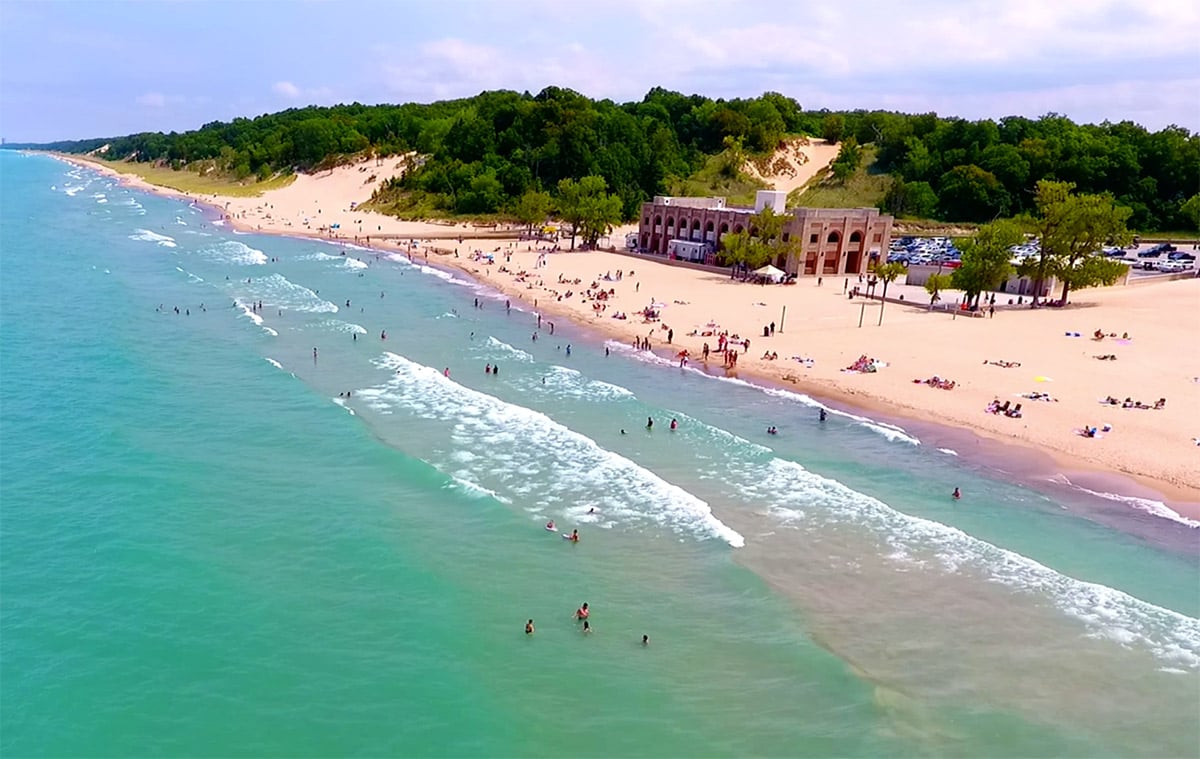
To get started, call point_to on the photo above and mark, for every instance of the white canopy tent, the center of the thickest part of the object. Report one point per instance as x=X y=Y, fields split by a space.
x=771 y=273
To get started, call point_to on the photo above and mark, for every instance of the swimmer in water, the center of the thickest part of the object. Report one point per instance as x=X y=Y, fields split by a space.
x=574 y=537
x=623 y=432
x=529 y=627
x=587 y=628
x=649 y=422
x=582 y=612
x=592 y=510
x=550 y=525
x=957 y=494
x=674 y=424
x=645 y=640
x=822 y=415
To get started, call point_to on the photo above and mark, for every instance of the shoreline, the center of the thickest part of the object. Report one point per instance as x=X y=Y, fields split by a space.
x=1037 y=465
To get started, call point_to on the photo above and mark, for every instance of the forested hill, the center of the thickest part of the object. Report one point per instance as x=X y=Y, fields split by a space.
x=481 y=154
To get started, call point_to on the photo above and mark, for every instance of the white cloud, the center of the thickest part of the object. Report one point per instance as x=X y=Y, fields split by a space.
x=1090 y=59
x=292 y=91
x=287 y=89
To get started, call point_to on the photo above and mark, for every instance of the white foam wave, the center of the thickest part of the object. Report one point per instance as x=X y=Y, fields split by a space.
x=145 y=235
x=280 y=292
x=337 y=325
x=526 y=454
x=948 y=451
x=1106 y=612
x=180 y=222
x=569 y=382
x=509 y=352
x=889 y=431
x=273 y=362
x=342 y=402
x=1157 y=508
x=218 y=222
x=478 y=491
x=234 y=252
x=249 y=313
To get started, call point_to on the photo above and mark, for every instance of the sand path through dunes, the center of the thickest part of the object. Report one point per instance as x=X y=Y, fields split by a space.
x=793 y=165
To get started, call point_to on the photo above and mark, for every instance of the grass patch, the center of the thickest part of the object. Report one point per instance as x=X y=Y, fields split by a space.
x=865 y=188
x=721 y=175
x=199 y=184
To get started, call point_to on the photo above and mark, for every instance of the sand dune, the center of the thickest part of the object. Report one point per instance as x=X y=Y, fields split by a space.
x=795 y=164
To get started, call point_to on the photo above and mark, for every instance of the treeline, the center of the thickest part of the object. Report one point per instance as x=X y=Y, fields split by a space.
x=481 y=154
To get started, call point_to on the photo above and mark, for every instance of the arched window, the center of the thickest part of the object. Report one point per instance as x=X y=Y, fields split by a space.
x=856 y=236
x=670 y=223
x=738 y=229
x=646 y=220
x=724 y=228
x=833 y=237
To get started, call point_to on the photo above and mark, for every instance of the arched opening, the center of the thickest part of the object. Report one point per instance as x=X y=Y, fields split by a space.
x=833 y=237
x=738 y=229
x=695 y=229
x=709 y=233
x=854 y=256
x=670 y=225
x=657 y=224
x=754 y=231
x=724 y=229
x=646 y=221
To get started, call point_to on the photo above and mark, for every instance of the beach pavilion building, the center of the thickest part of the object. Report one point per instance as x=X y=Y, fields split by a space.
x=831 y=241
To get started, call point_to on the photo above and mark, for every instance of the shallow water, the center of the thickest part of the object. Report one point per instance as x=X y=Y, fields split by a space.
x=207 y=550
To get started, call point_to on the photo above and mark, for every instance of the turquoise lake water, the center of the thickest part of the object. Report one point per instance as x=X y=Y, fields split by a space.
x=204 y=550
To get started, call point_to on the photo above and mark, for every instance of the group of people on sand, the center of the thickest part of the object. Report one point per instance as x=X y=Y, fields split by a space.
x=1100 y=335
x=864 y=365
x=995 y=407
x=1159 y=405
x=1091 y=431
x=936 y=381
x=1003 y=364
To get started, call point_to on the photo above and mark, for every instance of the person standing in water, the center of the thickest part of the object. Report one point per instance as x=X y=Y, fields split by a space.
x=645 y=640
x=649 y=422
x=822 y=415
x=574 y=536
x=529 y=627
x=957 y=494
x=582 y=612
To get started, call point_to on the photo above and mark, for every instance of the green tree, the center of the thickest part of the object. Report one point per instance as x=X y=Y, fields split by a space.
x=848 y=159
x=888 y=273
x=914 y=199
x=987 y=258
x=762 y=244
x=833 y=127
x=532 y=208
x=934 y=286
x=968 y=193
x=588 y=208
x=1190 y=211
x=1071 y=231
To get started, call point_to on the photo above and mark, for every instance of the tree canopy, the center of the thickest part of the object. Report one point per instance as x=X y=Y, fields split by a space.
x=987 y=258
x=482 y=154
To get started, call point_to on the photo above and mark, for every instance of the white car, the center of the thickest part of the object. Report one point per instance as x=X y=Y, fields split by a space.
x=1174 y=266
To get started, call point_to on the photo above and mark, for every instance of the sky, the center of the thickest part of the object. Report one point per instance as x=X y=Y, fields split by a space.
x=101 y=68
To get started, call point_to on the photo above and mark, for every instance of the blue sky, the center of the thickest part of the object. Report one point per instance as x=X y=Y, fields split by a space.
x=95 y=68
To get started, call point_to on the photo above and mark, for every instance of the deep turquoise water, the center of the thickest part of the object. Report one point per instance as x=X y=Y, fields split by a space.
x=202 y=553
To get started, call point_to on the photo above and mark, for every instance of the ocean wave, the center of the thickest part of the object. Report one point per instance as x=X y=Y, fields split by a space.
x=889 y=431
x=533 y=458
x=145 y=235
x=800 y=495
x=948 y=451
x=337 y=325
x=342 y=402
x=508 y=352
x=234 y=252
x=1157 y=508
x=273 y=362
x=572 y=383
x=281 y=293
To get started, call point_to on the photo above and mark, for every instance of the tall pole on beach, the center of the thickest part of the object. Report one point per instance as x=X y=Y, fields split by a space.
x=862 y=310
x=781 y=315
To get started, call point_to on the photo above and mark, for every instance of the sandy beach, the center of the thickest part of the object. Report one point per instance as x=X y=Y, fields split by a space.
x=1017 y=353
